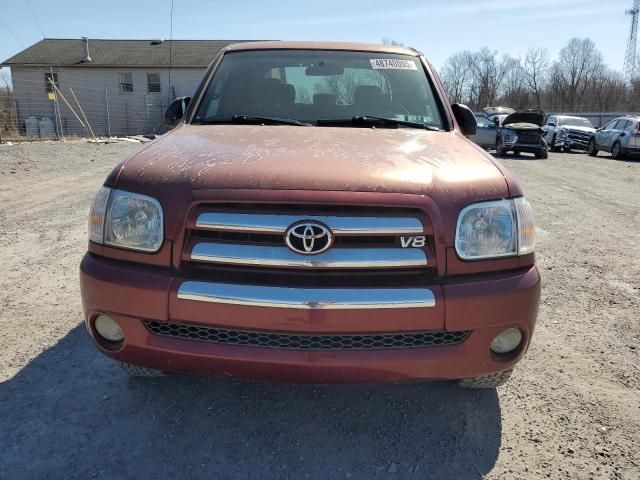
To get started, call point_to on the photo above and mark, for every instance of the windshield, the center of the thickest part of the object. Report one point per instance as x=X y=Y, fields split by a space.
x=312 y=85
x=574 y=122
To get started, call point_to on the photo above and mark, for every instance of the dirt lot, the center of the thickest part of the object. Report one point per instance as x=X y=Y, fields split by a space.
x=572 y=409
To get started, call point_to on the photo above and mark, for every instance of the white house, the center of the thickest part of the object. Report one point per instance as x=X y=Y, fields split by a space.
x=122 y=87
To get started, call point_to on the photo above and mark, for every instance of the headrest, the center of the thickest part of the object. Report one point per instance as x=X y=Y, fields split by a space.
x=288 y=93
x=269 y=87
x=368 y=94
x=324 y=99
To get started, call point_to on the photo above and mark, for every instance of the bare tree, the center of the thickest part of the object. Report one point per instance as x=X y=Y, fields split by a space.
x=535 y=69
x=608 y=91
x=514 y=89
x=488 y=74
x=392 y=42
x=8 y=119
x=577 y=81
x=456 y=75
x=578 y=63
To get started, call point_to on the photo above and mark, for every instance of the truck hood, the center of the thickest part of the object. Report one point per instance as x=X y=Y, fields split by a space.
x=534 y=117
x=401 y=160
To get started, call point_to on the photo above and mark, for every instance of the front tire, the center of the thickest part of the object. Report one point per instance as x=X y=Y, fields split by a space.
x=552 y=146
x=542 y=155
x=616 y=151
x=138 y=371
x=500 y=152
x=592 y=151
x=491 y=380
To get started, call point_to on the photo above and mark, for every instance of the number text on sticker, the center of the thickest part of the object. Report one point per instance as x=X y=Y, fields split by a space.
x=392 y=64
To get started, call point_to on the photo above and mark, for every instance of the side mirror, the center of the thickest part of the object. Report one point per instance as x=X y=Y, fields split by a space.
x=175 y=111
x=465 y=118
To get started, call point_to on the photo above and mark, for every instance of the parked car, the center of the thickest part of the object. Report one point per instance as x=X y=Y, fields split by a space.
x=619 y=136
x=487 y=125
x=278 y=233
x=522 y=132
x=567 y=133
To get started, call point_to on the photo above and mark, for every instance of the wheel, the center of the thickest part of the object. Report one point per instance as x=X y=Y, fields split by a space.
x=566 y=149
x=616 y=151
x=516 y=153
x=541 y=154
x=552 y=146
x=492 y=380
x=591 y=148
x=500 y=152
x=138 y=371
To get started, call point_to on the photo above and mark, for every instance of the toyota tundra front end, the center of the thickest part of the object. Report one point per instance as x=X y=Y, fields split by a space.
x=317 y=215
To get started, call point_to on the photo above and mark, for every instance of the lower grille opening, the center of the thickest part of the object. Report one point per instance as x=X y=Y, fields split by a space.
x=289 y=341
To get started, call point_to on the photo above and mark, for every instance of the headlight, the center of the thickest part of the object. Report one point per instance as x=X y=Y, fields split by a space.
x=502 y=228
x=510 y=138
x=563 y=133
x=126 y=220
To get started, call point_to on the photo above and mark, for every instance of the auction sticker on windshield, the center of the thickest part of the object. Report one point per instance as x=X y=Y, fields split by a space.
x=392 y=64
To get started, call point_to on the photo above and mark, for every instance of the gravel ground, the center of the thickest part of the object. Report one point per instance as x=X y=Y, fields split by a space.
x=572 y=410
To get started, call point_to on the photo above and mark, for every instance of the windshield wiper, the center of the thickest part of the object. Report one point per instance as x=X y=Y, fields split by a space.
x=255 y=119
x=369 y=120
x=271 y=120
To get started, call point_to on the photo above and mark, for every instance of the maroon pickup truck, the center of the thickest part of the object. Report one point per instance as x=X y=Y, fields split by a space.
x=316 y=215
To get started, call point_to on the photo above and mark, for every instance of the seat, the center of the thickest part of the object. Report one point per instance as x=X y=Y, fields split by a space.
x=270 y=98
x=370 y=100
x=324 y=105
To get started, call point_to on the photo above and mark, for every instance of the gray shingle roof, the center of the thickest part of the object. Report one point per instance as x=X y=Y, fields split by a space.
x=131 y=53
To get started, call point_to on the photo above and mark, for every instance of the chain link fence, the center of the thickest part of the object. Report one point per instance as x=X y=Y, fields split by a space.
x=57 y=104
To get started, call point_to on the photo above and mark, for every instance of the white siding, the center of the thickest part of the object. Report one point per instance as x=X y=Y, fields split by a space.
x=132 y=113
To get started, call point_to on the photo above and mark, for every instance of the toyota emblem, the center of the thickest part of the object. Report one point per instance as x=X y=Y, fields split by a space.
x=308 y=237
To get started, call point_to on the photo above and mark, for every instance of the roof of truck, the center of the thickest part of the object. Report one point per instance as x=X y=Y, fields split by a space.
x=294 y=45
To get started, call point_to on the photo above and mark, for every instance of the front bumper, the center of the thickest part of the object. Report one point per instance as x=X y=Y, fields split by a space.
x=486 y=305
x=525 y=147
x=573 y=143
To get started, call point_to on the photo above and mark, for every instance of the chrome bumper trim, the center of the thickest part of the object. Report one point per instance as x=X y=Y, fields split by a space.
x=267 y=256
x=307 y=298
x=274 y=223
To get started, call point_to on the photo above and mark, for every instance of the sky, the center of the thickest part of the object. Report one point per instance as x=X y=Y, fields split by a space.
x=437 y=28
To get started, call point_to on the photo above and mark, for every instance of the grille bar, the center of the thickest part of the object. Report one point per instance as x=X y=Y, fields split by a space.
x=307 y=298
x=288 y=341
x=337 y=257
x=339 y=225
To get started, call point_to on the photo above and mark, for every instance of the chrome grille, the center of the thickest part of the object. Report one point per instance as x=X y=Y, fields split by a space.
x=289 y=341
x=254 y=236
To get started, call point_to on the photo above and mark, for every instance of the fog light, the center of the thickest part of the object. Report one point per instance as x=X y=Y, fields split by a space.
x=108 y=329
x=507 y=341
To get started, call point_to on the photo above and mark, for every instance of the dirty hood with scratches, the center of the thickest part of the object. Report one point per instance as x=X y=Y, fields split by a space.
x=401 y=160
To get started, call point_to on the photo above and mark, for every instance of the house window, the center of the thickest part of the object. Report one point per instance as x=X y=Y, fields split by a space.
x=153 y=82
x=126 y=82
x=51 y=79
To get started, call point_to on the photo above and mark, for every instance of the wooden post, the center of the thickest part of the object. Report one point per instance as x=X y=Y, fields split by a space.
x=106 y=96
x=83 y=115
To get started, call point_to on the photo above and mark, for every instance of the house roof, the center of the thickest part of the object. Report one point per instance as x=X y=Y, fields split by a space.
x=117 y=53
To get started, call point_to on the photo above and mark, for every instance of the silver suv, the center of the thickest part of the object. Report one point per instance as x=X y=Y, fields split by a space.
x=619 y=136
